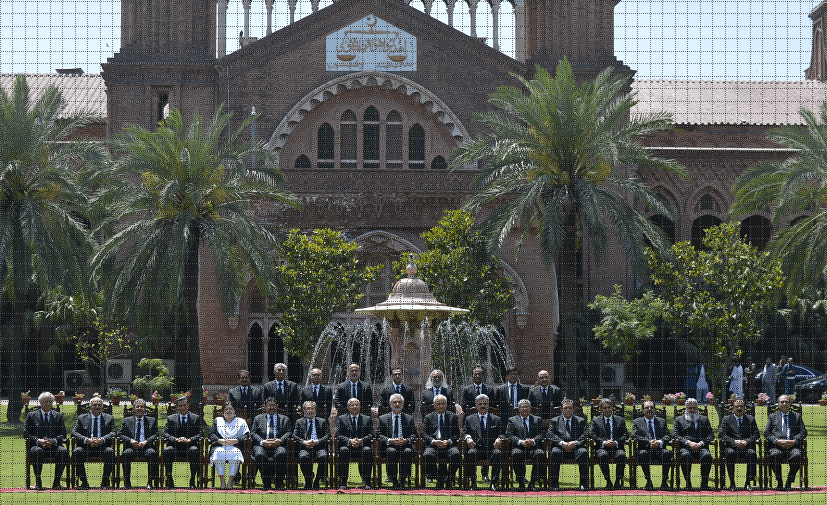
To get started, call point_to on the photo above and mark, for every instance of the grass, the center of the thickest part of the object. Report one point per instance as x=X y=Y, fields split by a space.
x=12 y=475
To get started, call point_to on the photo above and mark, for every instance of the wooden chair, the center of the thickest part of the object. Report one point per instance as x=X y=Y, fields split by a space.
x=719 y=458
x=804 y=472
x=468 y=480
x=201 y=474
x=676 y=448
x=68 y=472
x=151 y=411
x=419 y=458
x=631 y=462
x=84 y=408
x=660 y=411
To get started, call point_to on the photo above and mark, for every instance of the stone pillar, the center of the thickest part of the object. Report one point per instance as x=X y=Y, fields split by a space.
x=472 y=13
x=292 y=5
x=314 y=5
x=269 y=4
x=519 y=30
x=449 y=8
x=428 y=4
x=246 y=4
x=495 y=19
x=265 y=340
x=221 y=27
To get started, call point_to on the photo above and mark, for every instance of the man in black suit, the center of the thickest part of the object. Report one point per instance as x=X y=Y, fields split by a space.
x=545 y=395
x=138 y=435
x=311 y=435
x=694 y=433
x=434 y=387
x=183 y=434
x=785 y=432
x=526 y=433
x=510 y=393
x=353 y=388
x=569 y=436
x=354 y=432
x=270 y=434
x=440 y=430
x=45 y=430
x=397 y=387
x=483 y=437
x=396 y=435
x=468 y=399
x=245 y=398
x=286 y=392
x=610 y=435
x=318 y=393
x=739 y=433
x=94 y=434
x=652 y=438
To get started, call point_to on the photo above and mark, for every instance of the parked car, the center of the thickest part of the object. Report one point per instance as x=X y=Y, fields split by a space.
x=810 y=391
x=802 y=374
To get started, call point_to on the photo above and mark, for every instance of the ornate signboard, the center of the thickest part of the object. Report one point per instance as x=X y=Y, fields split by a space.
x=370 y=44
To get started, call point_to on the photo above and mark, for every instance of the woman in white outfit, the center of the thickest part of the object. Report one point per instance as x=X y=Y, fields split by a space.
x=736 y=384
x=226 y=436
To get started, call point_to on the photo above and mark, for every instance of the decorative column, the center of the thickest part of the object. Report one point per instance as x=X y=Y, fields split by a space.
x=265 y=340
x=472 y=13
x=221 y=27
x=495 y=19
x=246 y=4
x=449 y=8
x=314 y=5
x=292 y=5
x=519 y=30
x=269 y=4
x=428 y=4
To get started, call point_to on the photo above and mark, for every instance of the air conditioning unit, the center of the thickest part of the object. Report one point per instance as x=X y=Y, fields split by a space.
x=611 y=375
x=170 y=364
x=119 y=371
x=75 y=379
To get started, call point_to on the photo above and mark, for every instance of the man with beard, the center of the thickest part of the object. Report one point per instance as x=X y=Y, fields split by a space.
x=246 y=398
x=695 y=435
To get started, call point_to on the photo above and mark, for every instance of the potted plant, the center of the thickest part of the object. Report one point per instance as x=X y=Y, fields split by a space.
x=761 y=399
x=629 y=399
x=219 y=399
x=680 y=398
x=583 y=401
x=77 y=398
x=596 y=401
x=732 y=398
x=668 y=398
x=204 y=394
x=132 y=398
x=710 y=397
x=116 y=395
x=60 y=397
x=157 y=379
x=792 y=399
x=823 y=400
x=155 y=398
x=647 y=398
x=26 y=396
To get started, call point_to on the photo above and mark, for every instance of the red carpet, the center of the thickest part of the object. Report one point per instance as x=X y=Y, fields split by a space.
x=455 y=492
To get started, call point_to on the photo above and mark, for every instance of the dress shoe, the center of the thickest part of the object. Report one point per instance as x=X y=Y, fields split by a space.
x=485 y=478
x=732 y=489
x=84 y=486
x=532 y=487
x=555 y=488
x=583 y=487
x=149 y=487
x=748 y=487
x=521 y=487
x=665 y=487
x=779 y=487
x=788 y=487
x=395 y=486
x=494 y=487
x=618 y=484
x=706 y=488
x=649 y=486
x=38 y=483
x=367 y=487
x=308 y=486
x=609 y=486
x=440 y=484
x=343 y=487
x=316 y=484
x=279 y=485
x=127 y=483
x=170 y=483
x=266 y=487
x=57 y=487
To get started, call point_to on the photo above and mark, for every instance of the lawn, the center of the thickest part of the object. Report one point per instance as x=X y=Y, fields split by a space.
x=12 y=475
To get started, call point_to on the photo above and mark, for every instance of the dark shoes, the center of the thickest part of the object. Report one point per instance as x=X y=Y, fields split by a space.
x=649 y=486
x=127 y=483
x=532 y=486
x=170 y=483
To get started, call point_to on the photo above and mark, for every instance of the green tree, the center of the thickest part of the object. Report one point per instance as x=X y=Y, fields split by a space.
x=44 y=242
x=789 y=188
x=625 y=323
x=718 y=295
x=185 y=189
x=555 y=162
x=319 y=276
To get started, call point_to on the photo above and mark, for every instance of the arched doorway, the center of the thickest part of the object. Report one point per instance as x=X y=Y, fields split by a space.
x=757 y=230
x=699 y=227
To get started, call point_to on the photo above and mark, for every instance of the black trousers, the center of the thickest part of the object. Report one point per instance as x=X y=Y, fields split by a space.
x=663 y=457
x=365 y=455
x=478 y=453
x=59 y=453
x=80 y=454
x=149 y=454
x=731 y=455
x=520 y=455
x=703 y=455
x=395 y=455
x=272 y=463
x=306 y=459
x=432 y=455
x=191 y=452
x=579 y=455
x=792 y=456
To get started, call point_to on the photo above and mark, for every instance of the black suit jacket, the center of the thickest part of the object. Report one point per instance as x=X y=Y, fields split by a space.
x=557 y=431
x=323 y=402
x=427 y=398
x=704 y=433
x=504 y=399
x=290 y=403
x=322 y=431
x=430 y=426
x=773 y=432
x=283 y=430
x=600 y=433
x=127 y=433
x=405 y=390
x=83 y=429
x=515 y=431
x=194 y=429
x=254 y=400
x=34 y=429
x=473 y=428
x=535 y=396
x=406 y=424
x=364 y=393
x=640 y=432
x=728 y=431
x=468 y=399
x=344 y=431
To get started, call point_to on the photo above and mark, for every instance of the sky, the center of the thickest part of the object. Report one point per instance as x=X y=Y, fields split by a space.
x=732 y=40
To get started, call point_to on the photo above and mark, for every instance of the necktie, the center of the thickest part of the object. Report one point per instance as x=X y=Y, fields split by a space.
x=651 y=430
x=568 y=428
x=43 y=418
x=184 y=420
x=95 y=428
x=281 y=392
x=270 y=428
x=786 y=427
x=608 y=421
x=441 y=426
x=514 y=396
x=527 y=432
x=396 y=426
x=353 y=390
x=397 y=388
x=138 y=432
x=354 y=426
x=545 y=395
x=317 y=392
x=309 y=429
x=479 y=392
x=244 y=393
x=484 y=426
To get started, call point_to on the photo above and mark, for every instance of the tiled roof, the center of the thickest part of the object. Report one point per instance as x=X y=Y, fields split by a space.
x=85 y=93
x=729 y=102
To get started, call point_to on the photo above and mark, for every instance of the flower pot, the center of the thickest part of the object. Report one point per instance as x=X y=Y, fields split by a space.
x=595 y=402
x=822 y=403
x=628 y=402
x=220 y=402
x=156 y=401
x=59 y=399
x=681 y=401
x=115 y=401
x=760 y=402
x=26 y=400
x=730 y=401
x=667 y=402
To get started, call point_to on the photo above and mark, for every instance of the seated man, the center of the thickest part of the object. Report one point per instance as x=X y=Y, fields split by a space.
x=483 y=436
x=354 y=432
x=739 y=433
x=247 y=399
x=652 y=439
x=397 y=386
x=45 y=430
x=785 y=432
x=312 y=434
x=270 y=434
x=94 y=434
x=318 y=393
x=139 y=434
x=545 y=395
x=526 y=433
x=440 y=430
x=396 y=434
x=568 y=436
x=610 y=435
x=695 y=435
x=183 y=434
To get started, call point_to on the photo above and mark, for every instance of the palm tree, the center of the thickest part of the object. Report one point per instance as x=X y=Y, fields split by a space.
x=190 y=189
x=792 y=187
x=554 y=163
x=43 y=241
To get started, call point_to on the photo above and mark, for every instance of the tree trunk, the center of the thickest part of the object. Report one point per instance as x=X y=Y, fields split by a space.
x=193 y=347
x=15 y=384
x=569 y=305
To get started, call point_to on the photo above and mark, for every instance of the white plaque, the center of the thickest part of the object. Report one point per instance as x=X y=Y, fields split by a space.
x=370 y=44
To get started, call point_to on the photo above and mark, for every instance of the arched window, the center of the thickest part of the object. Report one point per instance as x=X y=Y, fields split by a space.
x=370 y=139
x=393 y=141
x=707 y=203
x=349 y=154
x=326 y=146
x=699 y=227
x=302 y=162
x=439 y=163
x=275 y=350
x=255 y=363
x=416 y=147
x=666 y=225
x=757 y=230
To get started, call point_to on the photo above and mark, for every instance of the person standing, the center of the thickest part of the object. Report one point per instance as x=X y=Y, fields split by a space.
x=246 y=398
x=318 y=393
x=286 y=392
x=702 y=387
x=397 y=387
x=353 y=387
x=736 y=379
x=789 y=377
x=545 y=395
x=768 y=380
